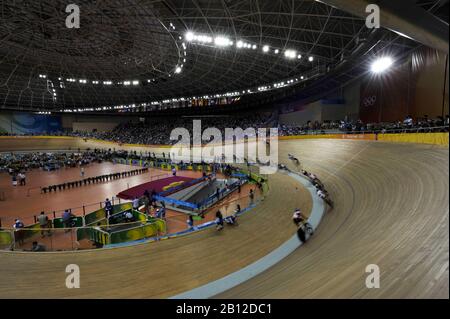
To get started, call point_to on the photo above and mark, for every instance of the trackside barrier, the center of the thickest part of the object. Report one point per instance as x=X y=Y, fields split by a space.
x=100 y=214
x=116 y=233
x=369 y=136
x=93 y=234
x=154 y=227
x=77 y=222
x=176 y=202
x=436 y=138
x=80 y=210
x=164 y=164
x=6 y=239
x=187 y=231
x=27 y=232
x=420 y=138
x=68 y=239
x=61 y=238
x=253 y=176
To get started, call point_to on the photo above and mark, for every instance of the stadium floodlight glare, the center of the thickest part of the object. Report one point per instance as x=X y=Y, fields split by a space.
x=189 y=36
x=205 y=39
x=310 y=59
x=135 y=82
x=299 y=56
x=276 y=51
x=222 y=41
x=240 y=44
x=290 y=54
x=266 y=48
x=381 y=64
x=178 y=69
x=254 y=47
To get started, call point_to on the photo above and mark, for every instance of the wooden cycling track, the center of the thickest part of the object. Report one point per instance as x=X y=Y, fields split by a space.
x=391 y=209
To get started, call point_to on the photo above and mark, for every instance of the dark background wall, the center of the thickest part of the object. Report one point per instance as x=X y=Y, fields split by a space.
x=417 y=87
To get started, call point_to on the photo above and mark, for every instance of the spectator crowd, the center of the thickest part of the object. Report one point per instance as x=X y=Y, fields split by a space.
x=157 y=131
x=18 y=163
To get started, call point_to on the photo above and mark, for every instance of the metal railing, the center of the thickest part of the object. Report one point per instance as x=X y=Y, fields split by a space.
x=421 y=129
x=67 y=239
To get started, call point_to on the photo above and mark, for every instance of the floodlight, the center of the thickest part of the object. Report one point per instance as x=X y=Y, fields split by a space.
x=381 y=64
x=189 y=36
x=221 y=41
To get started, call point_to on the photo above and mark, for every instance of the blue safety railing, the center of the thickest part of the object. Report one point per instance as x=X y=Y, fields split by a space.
x=175 y=201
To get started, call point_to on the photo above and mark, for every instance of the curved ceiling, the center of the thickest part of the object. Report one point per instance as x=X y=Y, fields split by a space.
x=122 y=41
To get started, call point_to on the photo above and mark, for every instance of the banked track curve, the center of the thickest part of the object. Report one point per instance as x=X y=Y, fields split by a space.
x=391 y=209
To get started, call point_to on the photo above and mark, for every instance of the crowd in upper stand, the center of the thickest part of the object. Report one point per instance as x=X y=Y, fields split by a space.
x=408 y=125
x=16 y=163
x=157 y=131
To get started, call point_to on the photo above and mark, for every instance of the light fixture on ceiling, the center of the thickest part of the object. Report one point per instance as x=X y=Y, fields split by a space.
x=290 y=54
x=222 y=41
x=189 y=36
x=381 y=64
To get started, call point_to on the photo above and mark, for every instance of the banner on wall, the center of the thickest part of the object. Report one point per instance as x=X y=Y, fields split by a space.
x=29 y=123
x=369 y=106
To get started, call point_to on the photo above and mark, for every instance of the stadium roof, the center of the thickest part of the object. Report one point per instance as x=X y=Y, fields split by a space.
x=131 y=51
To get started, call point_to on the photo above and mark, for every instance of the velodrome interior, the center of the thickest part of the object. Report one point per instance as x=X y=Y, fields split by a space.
x=406 y=235
x=361 y=118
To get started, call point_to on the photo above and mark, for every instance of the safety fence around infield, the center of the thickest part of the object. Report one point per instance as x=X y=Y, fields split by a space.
x=82 y=232
x=95 y=230
x=57 y=236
